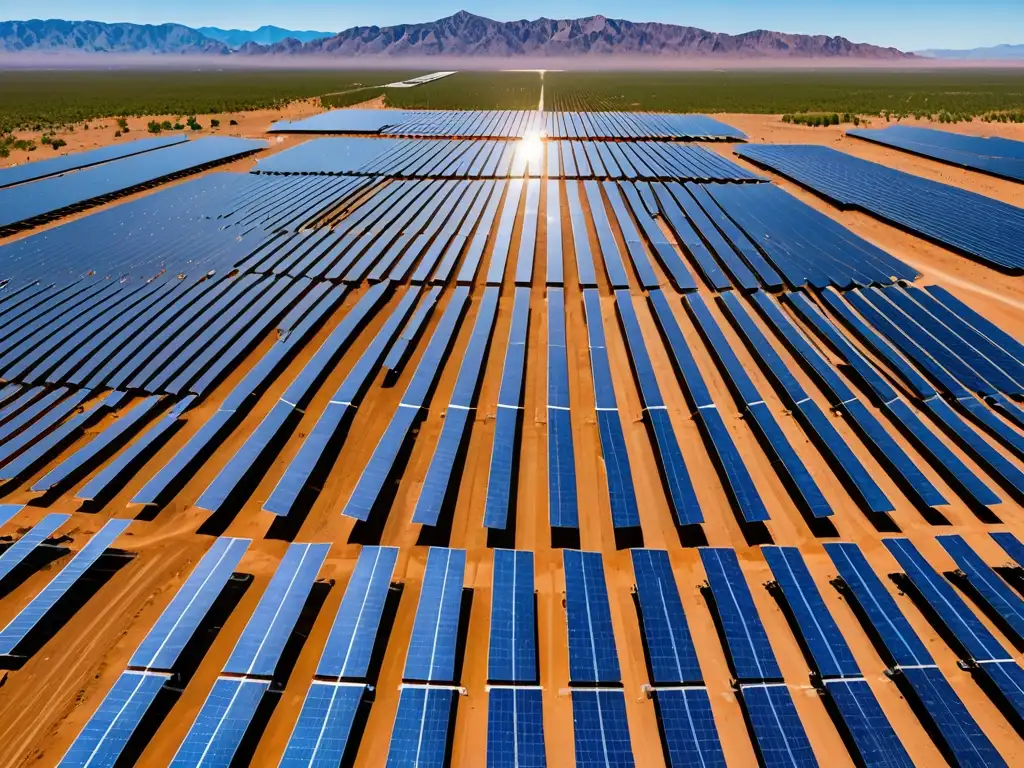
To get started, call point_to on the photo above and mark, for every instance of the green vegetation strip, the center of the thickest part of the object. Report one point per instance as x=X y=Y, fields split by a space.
x=39 y=100
x=947 y=94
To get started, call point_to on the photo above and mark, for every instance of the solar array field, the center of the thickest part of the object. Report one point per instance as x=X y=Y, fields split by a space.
x=595 y=448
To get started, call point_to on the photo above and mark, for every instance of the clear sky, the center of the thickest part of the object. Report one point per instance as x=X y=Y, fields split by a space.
x=906 y=24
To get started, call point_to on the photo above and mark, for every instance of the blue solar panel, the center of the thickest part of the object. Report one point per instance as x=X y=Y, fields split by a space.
x=999 y=157
x=638 y=355
x=621 y=494
x=21 y=204
x=436 y=629
x=681 y=496
x=952 y=724
x=947 y=463
x=737 y=480
x=499 y=479
x=946 y=214
x=354 y=632
x=831 y=654
x=607 y=244
x=600 y=731
x=993 y=460
x=686 y=367
x=901 y=644
x=779 y=736
x=528 y=242
x=8 y=511
x=23 y=547
x=32 y=614
x=734 y=372
x=166 y=640
x=975 y=640
x=750 y=653
x=990 y=588
x=422 y=728
x=585 y=270
x=554 y=227
x=263 y=639
x=876 y=742
x=562 y=501
x=218 y=729
x=1007 y=683
x=1011 y=545
x=512 y=654
x=348 y=395
x=515 y=728
x=688 y=728
x=787 y=462
x=670 y=649
x=104 y=737
x=592 y=654
x=40 y=169
x=321 y=734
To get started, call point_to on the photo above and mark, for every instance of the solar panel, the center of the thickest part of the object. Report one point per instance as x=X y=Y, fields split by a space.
x=422 y=727
x=949 y=215
x=30 y=616
x=779 y=736
x=592 y=654
x=869 y=729
x=164 y=643
x=512 y=654
x=600 y=730
x=992 y=590
x=621 y=494
x=104 y=737
x=1007 y=684
x=671 y=656
x=829 y=651
x=354 y=632
x=41 y=169
x=52 y=195
x=321 y=734
x=528 y=241
x=458 y=417
x=435 y=631
x=901 y=644
x=749 y=650
x=1011 y=545
x=348 y=395
x=221 y=724
x=554 y=227
x=515 y=728
x=688 y=727
x=262 y=641
x=23 y=547
x=974 y=638
x=953 y=727
x=562 y=503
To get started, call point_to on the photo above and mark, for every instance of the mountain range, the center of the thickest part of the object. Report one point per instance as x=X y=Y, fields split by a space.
x=265 y=35
x=993 y=53
x=461 y=35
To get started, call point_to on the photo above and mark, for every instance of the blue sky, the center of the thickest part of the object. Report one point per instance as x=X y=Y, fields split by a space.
x=906 y=24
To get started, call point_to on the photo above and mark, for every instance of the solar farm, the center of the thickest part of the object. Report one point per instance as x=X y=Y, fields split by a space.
x=513 y=438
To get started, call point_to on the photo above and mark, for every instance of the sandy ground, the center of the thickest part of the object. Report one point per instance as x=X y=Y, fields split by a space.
x=44 y=704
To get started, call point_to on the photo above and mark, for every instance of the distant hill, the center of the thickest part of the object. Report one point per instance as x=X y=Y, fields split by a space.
x=59 y=36
x=265 y=35
x=465 y=34
x=995 y=53
x=460 y=35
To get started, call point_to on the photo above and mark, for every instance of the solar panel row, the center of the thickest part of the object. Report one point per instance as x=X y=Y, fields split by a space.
x=834 y=448
x=500 y=477
x=950 y=216
x=218 y=730
x=482 y=124
x=681 y=496
x=22 y=206
x=562 y=502
x=635 y=125
x=445 y=464
x=370 y=488
x=648 y=160
x=999 y=157
x=105 y=736
x=618 y=475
